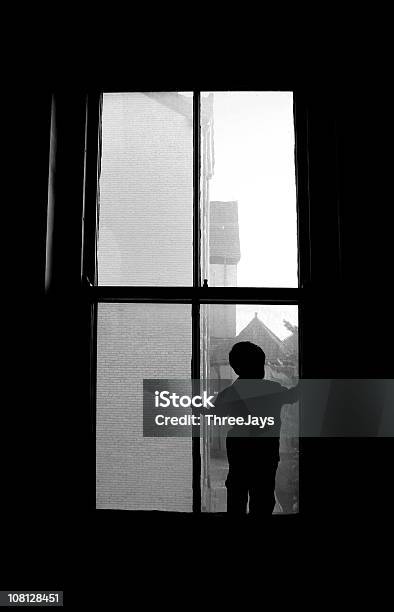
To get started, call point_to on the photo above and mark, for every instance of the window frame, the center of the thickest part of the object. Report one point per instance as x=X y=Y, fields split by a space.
x=198 y=293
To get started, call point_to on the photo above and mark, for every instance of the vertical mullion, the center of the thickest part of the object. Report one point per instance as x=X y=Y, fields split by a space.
x=93 y=389
x=90 y=231
x=301 y=153
x=196 y=187
x=195 y=365
x=93 y=158
x=301 y=135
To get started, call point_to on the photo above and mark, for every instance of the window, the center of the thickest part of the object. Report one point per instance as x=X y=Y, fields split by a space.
x=146 y=190
x=275 y=329
x=252 y=211
x=195 y=207
x=136 y=341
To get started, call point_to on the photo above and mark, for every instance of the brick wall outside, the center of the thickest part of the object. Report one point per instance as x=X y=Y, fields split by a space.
x=145 y=238
x=137 y=341
x=146 y=193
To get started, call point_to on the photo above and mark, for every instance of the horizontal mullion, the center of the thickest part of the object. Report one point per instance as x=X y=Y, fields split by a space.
x=207 y=295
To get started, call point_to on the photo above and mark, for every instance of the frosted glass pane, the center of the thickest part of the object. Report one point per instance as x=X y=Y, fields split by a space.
x=248 y=189
x=146 y=190
x=137 y=341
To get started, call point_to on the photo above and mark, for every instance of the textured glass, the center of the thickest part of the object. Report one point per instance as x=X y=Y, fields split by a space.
x=248 y=189
x=275 y=330
x=146 y=190
x=137 y=341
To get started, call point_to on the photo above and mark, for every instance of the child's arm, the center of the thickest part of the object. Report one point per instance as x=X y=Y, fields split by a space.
x=290 y=396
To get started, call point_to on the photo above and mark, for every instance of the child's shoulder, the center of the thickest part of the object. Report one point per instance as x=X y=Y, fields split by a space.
x=226 y=393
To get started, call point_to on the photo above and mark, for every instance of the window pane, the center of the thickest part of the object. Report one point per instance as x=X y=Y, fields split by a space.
x=146 y=189
x=248 y=190
x=275 y=330
x=137 y=341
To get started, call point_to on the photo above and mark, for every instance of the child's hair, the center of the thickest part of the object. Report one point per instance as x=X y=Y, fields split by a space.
x=246 y=356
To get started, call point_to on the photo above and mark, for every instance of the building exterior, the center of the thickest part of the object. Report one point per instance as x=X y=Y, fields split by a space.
x=146 y=190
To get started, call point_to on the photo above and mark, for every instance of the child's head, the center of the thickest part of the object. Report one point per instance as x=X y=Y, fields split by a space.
x=247 y=360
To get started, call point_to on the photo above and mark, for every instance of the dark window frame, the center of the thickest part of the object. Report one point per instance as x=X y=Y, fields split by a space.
x=198 y=293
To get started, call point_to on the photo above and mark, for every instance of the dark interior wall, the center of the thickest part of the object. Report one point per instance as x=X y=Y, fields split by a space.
x=43 y=421
x=350 y=226
x=30 y=478
x=347 y=328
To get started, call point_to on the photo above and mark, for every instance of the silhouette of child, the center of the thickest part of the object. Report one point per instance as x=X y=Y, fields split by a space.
x=252 y=449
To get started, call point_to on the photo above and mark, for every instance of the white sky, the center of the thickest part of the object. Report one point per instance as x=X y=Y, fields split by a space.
x=254 y=164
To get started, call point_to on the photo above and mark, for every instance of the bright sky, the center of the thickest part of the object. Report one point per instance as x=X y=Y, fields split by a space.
x=254 y=164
